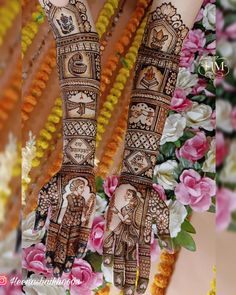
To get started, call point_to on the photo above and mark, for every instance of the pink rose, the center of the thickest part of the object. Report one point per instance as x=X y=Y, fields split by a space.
x=211 y=48
x=200 y=87
x=187 y=59
x=194 y=148
x=34 y=259
x=110 y=184
x=160 y=190
x=179 y=101
x=233 y=117
x=83 y=278
x=195 y=41
x=97 y=234
x=221 y=148
x=225 y=205
x=195 y=191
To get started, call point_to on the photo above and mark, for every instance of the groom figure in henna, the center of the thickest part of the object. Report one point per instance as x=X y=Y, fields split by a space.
x=71 y=192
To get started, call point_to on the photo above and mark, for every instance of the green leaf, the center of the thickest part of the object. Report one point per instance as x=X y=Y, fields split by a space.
x=197 y=166
x=178 y=143
x=211 y=88
x=188 y=227
x=95 y=261
x=185 y=240
x=199 y=98
x=210 y=38
x=160 y=159
x=102 y=195
x=168 y=149
x=185 y=163
x=212 y=209
x=99 y=184
x=67 y=292
x=187 y=135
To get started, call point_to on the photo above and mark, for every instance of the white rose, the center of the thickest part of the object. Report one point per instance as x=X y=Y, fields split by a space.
x=199 y=116
x=30 y=237
x=101 y=205
x=223 y=115
x=209 y=17
x=107 y=273
x=174 y=128
x=186 y=80
x=210 y=163
x=178 y=213
x=228 y=173
x=165 y=174
x=228 y=4
x=206 y=60
x=40 y=289
x=9 y=260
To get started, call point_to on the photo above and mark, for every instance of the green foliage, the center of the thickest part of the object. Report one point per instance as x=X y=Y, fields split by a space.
x=185 y=240
x=95 y=260
x=188 y=227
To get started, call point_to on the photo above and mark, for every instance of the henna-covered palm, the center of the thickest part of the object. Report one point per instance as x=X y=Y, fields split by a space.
x=135 y=204
x=71 y=200
x=78 y=61
x=134 y=208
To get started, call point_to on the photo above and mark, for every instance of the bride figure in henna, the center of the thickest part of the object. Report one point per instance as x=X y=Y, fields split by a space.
x=130 y=219
x=70 y=194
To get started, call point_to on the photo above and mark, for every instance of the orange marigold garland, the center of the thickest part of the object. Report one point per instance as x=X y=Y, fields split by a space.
x=11 y=95
x=120 y=46
x=39 y=83
x=165 y=270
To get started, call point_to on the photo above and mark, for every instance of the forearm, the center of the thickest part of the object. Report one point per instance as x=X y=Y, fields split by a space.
x=78 y=60
x=154 y=84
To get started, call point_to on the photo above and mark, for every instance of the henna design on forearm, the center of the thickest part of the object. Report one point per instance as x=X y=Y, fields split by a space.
x=71 y=193
x=154 y=83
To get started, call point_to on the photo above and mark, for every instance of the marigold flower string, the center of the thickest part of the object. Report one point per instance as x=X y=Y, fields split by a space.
x=119 y=84
x=121 y=45
x=165 y=270
x=11 y=95
x=30 y=30
x=8 y=13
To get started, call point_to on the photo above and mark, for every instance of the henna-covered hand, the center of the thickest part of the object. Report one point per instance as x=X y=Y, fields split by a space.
x=71 y=200
x=129 y=230
x=71 y=193
x=154 y=84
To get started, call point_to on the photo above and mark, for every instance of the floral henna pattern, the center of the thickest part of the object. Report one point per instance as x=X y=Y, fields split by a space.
x=71 y=193
x=135 y=206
